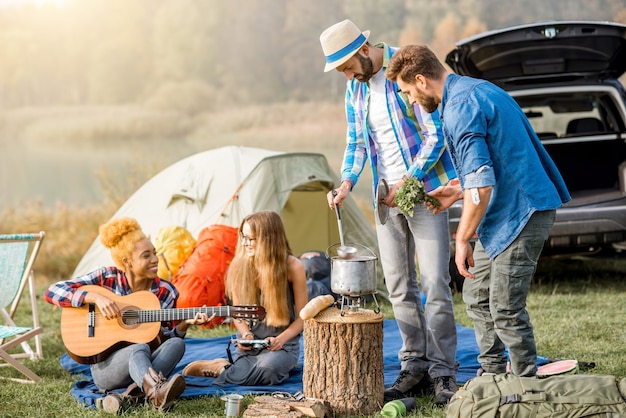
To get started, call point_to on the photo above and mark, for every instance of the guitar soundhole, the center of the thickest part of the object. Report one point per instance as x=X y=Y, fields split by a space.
x=130 y=317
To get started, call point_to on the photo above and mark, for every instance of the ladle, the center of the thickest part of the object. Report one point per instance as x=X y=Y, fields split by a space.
x=345 y=252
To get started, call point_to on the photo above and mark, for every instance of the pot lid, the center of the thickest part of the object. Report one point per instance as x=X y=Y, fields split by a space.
x=382 y=210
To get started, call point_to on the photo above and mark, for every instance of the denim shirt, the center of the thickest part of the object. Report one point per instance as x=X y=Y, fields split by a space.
x=493 y=144
x=418 y=134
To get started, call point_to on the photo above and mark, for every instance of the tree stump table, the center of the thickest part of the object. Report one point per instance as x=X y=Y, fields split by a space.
x=343 y=360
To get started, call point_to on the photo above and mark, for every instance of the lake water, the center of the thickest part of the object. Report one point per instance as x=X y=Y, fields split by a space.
x=74 y=175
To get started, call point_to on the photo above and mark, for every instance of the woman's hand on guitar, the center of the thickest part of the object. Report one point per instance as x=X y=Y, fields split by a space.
x=107 y=306
x=200 y=318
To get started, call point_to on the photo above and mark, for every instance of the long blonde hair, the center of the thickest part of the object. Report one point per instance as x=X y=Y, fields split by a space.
x=120 y=236
x=262 y=279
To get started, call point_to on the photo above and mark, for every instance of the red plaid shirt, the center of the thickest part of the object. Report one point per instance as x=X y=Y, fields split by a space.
x=68 y=293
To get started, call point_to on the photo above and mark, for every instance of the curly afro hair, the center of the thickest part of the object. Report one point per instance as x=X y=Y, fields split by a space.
x=120 y=235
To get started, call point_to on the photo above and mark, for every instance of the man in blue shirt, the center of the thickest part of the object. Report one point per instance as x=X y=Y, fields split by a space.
x=510 y=189
x=400 y=140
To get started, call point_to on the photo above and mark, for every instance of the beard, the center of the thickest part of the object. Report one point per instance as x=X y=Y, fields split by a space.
x=429 y=103
x=367 y=68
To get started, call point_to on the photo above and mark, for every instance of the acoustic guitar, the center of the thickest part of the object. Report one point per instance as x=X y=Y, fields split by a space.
x=90 y=338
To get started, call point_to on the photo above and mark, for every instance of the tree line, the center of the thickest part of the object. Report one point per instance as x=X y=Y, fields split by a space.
x=199 y=55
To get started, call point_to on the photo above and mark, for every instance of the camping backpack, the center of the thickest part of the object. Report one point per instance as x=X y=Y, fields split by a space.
x=173 y=245
x=200 y=279
x=559 y=396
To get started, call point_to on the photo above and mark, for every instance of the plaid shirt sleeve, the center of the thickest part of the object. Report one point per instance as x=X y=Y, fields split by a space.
x=68 y=293
x=433 y=143
x=355 y=155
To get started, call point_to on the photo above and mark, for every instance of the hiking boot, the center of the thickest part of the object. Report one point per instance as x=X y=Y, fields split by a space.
x=445 y=388
x=409 y=383
x=161 y=391
x=206 y=368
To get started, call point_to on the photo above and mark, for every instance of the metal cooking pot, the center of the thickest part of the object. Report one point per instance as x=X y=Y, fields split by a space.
x=354 y=276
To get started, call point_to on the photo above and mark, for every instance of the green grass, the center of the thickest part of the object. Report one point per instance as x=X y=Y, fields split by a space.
x=577 y=306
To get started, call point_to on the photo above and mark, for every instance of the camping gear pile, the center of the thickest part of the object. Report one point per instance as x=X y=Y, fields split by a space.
x=201 y=279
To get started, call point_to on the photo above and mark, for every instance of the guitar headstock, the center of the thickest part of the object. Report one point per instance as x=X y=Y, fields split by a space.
x=248 y=312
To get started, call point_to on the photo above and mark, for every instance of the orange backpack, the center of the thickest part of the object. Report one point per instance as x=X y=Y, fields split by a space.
x=200 y=280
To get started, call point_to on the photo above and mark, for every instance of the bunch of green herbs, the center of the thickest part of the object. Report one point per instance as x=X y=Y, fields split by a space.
x=412 y=193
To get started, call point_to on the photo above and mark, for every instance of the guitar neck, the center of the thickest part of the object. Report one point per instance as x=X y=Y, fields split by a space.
x=176 y=314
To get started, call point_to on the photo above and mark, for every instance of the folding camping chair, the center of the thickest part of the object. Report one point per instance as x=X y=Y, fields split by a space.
x=17 y=256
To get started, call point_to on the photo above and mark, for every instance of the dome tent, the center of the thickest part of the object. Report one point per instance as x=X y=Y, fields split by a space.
x=223 y=185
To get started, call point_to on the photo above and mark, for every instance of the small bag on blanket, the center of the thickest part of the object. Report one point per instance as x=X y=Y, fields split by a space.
x=560 y=396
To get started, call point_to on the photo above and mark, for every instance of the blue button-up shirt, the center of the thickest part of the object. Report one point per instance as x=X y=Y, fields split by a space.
x=493 y=144
x=418 y=134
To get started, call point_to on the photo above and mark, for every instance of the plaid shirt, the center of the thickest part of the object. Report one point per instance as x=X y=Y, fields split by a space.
x=68 y=293
x=427 y=159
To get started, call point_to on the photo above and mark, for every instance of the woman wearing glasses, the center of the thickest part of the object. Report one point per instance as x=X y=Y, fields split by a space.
x=265 y=272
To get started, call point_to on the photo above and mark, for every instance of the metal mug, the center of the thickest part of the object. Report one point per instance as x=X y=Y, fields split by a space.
x=233 y=404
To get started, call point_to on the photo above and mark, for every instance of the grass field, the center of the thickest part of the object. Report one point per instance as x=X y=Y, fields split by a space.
x=577 y=306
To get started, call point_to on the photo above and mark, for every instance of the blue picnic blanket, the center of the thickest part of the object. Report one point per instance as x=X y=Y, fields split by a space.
x=209 y=348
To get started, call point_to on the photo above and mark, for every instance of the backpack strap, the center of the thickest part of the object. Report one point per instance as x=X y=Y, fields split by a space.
x=531 y=397
x=525 y=397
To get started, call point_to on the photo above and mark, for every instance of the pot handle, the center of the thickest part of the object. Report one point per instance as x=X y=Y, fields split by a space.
x=351 y=244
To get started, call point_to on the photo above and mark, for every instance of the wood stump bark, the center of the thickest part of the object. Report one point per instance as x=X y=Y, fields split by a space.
x=343 y=360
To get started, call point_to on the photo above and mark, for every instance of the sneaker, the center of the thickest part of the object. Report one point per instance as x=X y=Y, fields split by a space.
x=445 y=388
x=408 y=384
x=206 y=368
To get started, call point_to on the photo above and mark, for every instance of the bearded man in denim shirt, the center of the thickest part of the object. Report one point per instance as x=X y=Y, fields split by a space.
x=510 y=189
x=400 y=140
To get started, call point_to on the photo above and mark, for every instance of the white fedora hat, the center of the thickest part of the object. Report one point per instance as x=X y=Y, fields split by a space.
x=340 y=42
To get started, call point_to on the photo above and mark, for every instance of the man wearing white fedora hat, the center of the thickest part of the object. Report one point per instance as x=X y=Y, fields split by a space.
x=400 y=141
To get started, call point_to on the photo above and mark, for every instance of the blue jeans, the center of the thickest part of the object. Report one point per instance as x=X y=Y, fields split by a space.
x=496 y=299
x=131 y=363
x=428 y=332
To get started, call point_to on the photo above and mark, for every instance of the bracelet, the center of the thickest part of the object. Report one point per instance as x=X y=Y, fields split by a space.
x=248 y=333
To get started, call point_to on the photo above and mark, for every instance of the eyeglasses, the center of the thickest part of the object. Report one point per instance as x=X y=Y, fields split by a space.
x=246 y=241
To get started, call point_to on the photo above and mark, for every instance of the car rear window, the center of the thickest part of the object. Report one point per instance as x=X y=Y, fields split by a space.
x=565 y=115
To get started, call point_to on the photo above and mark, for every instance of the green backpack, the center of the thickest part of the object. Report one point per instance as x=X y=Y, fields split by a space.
x=560 y=396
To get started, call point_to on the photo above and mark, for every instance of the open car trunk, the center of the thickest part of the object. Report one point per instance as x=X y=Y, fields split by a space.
x=564 y=76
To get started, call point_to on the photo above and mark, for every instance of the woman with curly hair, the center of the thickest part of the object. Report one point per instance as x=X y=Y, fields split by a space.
x=265 y=272
x=138 y=365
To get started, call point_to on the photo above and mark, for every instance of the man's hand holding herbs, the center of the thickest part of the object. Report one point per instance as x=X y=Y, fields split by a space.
x=411 y=193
